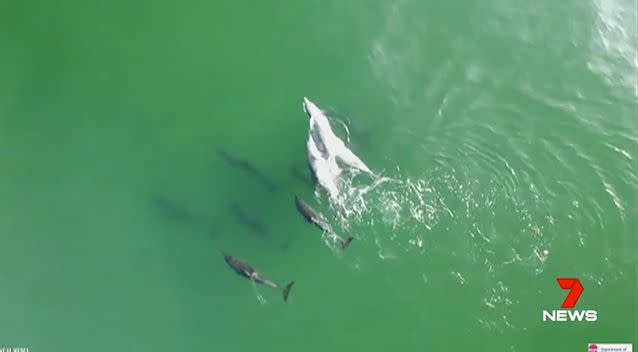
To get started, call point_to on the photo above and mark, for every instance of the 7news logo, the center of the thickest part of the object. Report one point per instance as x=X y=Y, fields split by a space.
x=575 y=290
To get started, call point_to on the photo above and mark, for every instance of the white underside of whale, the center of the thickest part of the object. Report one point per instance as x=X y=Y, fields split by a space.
x=326 y=169
x=319 y=122
x=325 y=149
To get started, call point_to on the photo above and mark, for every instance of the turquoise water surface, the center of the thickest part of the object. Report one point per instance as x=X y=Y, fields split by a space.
x=506 y=133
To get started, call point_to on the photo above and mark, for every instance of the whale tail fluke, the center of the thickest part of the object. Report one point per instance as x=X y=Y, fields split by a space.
x=345 y=243
x=287 y=290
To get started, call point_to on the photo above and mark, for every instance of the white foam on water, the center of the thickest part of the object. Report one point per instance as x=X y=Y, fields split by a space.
x=400 y=206
x=260 y=298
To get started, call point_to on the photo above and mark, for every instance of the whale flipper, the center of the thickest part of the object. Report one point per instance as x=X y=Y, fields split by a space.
x=346 y=156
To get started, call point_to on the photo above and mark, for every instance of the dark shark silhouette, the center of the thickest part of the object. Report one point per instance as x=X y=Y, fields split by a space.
x=172 y=210
x=248 y=168
x=249 y=220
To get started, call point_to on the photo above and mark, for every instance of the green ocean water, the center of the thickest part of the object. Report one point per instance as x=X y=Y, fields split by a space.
x=506 y=132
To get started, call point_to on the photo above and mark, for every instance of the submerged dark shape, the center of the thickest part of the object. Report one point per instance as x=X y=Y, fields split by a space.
x=246 y=270
x=248 y=168
x=172 y=210
x=249 y=220
x=313 y=217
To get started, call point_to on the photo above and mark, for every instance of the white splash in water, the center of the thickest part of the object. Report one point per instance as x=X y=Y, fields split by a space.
x=258 y=295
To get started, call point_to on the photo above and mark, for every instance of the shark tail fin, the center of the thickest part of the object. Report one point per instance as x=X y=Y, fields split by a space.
x=346 y=242
x=287 y=290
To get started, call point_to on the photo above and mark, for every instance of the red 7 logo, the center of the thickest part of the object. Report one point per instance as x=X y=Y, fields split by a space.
x=575 y=289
